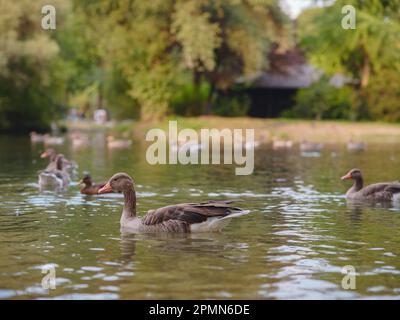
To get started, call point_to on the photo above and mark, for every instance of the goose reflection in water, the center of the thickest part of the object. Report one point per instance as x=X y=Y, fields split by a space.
x=207 y=244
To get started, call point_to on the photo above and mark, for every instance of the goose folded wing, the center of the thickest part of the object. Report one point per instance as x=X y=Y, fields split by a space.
x=190 y=212
x=393 y=188
x=383 y=187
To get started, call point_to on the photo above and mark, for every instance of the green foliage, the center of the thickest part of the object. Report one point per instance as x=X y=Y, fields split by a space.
x=31 y=75
x=322 y=101
x=232 y=105
x=197 y=34
x=363 y=53
x=190 y=99
x=355 y=52
x=120 y=103
x=226 y=39
x=155 y=43
x=383 y=96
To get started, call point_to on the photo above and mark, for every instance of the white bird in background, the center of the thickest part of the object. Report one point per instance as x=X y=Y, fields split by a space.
x=355 y=146
x=282 y=144
x=113 y=143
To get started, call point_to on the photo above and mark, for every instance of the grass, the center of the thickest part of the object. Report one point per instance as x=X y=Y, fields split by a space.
x=269 y=129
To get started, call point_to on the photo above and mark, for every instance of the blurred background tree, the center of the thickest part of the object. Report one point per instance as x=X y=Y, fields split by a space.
x=322 y=100
x=166 y=50
x=146 y=59
x=361 y=53
x=31 y=73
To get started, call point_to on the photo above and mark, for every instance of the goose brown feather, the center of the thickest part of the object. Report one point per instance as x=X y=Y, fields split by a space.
x=382 y=191
x=190 y=212
x=184 y=217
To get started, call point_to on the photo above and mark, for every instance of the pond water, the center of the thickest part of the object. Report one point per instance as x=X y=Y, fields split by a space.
x=293 y=245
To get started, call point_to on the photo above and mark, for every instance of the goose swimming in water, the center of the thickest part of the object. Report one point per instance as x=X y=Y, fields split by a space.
x=36 y=137
x=308 y=146
x=186 y=217
x=52 y=154
x=384 y=191
x=355 y=146
x=113 y=143
x=57 y=178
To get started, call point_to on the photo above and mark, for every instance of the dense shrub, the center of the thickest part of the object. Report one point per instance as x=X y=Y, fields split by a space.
x=383 y=96
x=189 y=99
x=231 y=105
x=323 y=101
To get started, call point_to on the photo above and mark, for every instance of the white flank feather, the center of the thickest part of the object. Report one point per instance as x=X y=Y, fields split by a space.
x=216 y=223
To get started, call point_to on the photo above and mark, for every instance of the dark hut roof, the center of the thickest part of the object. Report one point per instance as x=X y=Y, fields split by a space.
x=296 y=76
x=289 y=69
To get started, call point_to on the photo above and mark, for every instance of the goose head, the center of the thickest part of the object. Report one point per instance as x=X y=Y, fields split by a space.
x=48 y=153
x=353 y=174
x=119 y=182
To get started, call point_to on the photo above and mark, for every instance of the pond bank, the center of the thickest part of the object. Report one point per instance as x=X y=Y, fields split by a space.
x=267 y=129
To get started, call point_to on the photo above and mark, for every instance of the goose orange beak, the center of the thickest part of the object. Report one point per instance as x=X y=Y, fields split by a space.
x=44 y=154
x=346 y=177
x=105 y=189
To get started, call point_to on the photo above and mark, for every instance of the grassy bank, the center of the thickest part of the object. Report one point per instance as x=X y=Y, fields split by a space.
x=268 y=129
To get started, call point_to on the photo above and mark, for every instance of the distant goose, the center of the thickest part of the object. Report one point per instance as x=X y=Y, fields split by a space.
x=50 y=140
x=79 y=140
x=50 y=153
x=57 y=178
x=36 y=137
x=191 y=146
x=185 y=146
x=355 y=146
x=186 y=217
x=307 y=146
x=384 y=191
x=113 y=143
x=282 y=144
x=248 y=145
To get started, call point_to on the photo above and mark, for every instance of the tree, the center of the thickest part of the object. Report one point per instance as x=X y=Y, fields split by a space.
x=372 y=46
x=31 y=81
x=155 y=44
x=224 y=40
x=365 y=52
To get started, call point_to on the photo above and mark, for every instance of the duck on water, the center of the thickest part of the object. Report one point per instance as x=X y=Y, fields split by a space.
x=383 y=191
x=56 y=178
x=207 y=216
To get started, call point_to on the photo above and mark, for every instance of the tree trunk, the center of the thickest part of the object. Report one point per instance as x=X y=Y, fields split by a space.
x=365 y=72
x=210 y=99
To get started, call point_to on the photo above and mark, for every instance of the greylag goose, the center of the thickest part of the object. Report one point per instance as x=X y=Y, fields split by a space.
x=384 y=191
x=113 y=143
x=355 y=146
x=282 y=144
x=36 y=137
x=56 y=178
x=79 y=140
x=186 y=217
x=53 y=141
x=52 y=154
x=90 y=188
x=307 y=146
